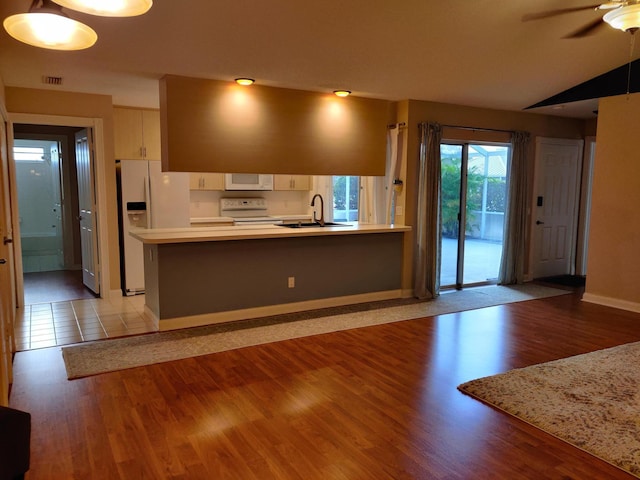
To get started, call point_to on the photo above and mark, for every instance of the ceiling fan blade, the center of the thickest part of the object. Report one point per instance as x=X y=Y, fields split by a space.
x=558 y=11
x=589 y=29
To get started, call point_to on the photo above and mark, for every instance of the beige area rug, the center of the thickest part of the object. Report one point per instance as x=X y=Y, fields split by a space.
x=117 y=354
x=591 y=401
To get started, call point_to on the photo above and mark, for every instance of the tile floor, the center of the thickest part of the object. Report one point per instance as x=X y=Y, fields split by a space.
x=61 y=323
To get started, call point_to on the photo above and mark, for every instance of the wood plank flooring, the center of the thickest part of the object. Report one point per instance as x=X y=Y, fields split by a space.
x=55 y=286
x=369 y=404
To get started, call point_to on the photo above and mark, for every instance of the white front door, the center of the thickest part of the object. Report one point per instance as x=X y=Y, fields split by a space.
x=87 y=210
x=555 y=206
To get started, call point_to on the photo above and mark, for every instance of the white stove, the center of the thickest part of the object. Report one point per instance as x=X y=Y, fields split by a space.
x=247 y=211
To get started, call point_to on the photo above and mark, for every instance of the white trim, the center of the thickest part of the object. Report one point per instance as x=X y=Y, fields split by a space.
x=243 y=314
x=611 y=302
x=113 y=294
x=97 y=125
x=406 y=293
x=585 y=205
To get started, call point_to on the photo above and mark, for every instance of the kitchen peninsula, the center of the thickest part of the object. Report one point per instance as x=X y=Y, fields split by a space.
x=201 y=276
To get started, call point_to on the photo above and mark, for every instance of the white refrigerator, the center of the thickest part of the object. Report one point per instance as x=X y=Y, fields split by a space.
x=150 y=198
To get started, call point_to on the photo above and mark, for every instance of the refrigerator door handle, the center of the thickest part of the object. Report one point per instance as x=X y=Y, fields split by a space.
x=147 y=197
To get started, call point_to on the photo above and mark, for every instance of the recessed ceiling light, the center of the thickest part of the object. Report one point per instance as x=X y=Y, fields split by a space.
x=245 y=81
x=342 y=93
x=110 y=8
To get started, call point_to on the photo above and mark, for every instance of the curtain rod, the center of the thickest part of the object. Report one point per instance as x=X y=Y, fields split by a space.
x=394 y=125
x=460 y=127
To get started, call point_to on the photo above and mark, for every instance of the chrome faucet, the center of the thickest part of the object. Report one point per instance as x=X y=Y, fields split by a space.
x=313 y=201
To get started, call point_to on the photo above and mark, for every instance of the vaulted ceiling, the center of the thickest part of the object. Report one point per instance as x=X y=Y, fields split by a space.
x=477 y=53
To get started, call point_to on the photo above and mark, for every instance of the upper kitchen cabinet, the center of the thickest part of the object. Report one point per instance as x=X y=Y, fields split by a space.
x=136 y=134
x=292 y=182
x=216 y=126
x=206 y=181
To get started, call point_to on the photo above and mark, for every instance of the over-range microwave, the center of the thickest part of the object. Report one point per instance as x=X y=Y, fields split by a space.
x=248 y=181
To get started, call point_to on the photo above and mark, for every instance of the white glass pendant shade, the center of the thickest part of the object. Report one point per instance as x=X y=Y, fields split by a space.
x=624 y=18
x=49 y=30
x=108 y=8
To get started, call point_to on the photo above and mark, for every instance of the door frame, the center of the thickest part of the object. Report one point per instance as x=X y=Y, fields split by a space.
x=577 y=201
x=585 y=205
x=97 y=125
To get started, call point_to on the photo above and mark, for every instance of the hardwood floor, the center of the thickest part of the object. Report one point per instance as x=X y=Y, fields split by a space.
x=372 y=404
x=55 y=286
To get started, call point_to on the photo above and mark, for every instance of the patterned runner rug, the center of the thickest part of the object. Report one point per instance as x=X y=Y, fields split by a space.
x=109 y=355
x=591 y=401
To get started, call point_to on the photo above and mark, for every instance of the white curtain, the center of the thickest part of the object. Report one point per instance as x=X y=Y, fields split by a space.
x=377 y=195
x=428 y=223
x=515 y=225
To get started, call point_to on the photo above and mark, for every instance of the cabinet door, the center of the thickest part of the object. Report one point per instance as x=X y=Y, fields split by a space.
x=127 y=133
x=195 y=181
x=213 y=181
x=292 y=182
x=301 y=182
x=206 y=181
x=151 y=134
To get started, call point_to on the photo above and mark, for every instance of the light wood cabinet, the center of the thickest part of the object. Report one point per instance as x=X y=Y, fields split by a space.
x=136 y=134
x=206 y=181
x=292 y=182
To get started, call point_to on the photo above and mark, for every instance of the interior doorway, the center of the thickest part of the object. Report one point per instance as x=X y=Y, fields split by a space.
x=473 y=196
x=47 y=191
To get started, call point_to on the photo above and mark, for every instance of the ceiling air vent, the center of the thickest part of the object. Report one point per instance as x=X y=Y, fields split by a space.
x=48 y=80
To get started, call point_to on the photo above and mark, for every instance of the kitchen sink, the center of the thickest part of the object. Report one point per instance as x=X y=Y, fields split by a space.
x=313 y=224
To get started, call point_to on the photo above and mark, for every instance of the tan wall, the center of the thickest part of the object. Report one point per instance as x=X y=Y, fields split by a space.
x=412 y=112
x=215 y=126
x=614 y=236
x=48 y=102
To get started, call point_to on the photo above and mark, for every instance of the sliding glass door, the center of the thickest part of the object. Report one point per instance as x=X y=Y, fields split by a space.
x=473 y=195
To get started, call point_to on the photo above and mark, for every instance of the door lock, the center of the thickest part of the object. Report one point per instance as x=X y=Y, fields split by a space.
x=2 y=261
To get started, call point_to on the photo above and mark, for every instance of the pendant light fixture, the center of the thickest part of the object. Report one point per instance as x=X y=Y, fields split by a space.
x=46 y=26
x=108 y=8
x=626 y=18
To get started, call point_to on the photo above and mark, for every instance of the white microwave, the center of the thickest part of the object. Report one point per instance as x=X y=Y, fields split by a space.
x=248 y=181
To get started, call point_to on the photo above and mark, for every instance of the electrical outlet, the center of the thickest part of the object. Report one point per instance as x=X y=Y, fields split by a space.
x=399 y=210
x=291 y=282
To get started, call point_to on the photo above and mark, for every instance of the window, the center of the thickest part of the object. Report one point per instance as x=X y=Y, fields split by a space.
x=346 y=192
x=28 y=154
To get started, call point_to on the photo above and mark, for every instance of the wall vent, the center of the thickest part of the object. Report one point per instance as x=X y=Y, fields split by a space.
x=49 y=80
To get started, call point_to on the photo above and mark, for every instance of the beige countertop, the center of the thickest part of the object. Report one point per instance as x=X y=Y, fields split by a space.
x=255 y=232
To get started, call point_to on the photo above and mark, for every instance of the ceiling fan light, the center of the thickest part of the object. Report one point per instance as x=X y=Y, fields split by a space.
x=108 y=8
x=624 y=18
x=48 y=30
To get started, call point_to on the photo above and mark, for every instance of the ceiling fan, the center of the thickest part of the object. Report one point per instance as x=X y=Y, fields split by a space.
x=620 y=14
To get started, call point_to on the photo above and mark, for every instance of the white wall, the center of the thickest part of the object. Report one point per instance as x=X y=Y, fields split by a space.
x=206 y=203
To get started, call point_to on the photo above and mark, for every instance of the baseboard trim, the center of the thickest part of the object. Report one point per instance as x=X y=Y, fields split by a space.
x=148 y=313
x=611 y=302
x=244 y=314
x=407 y=293
x=112 y=294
